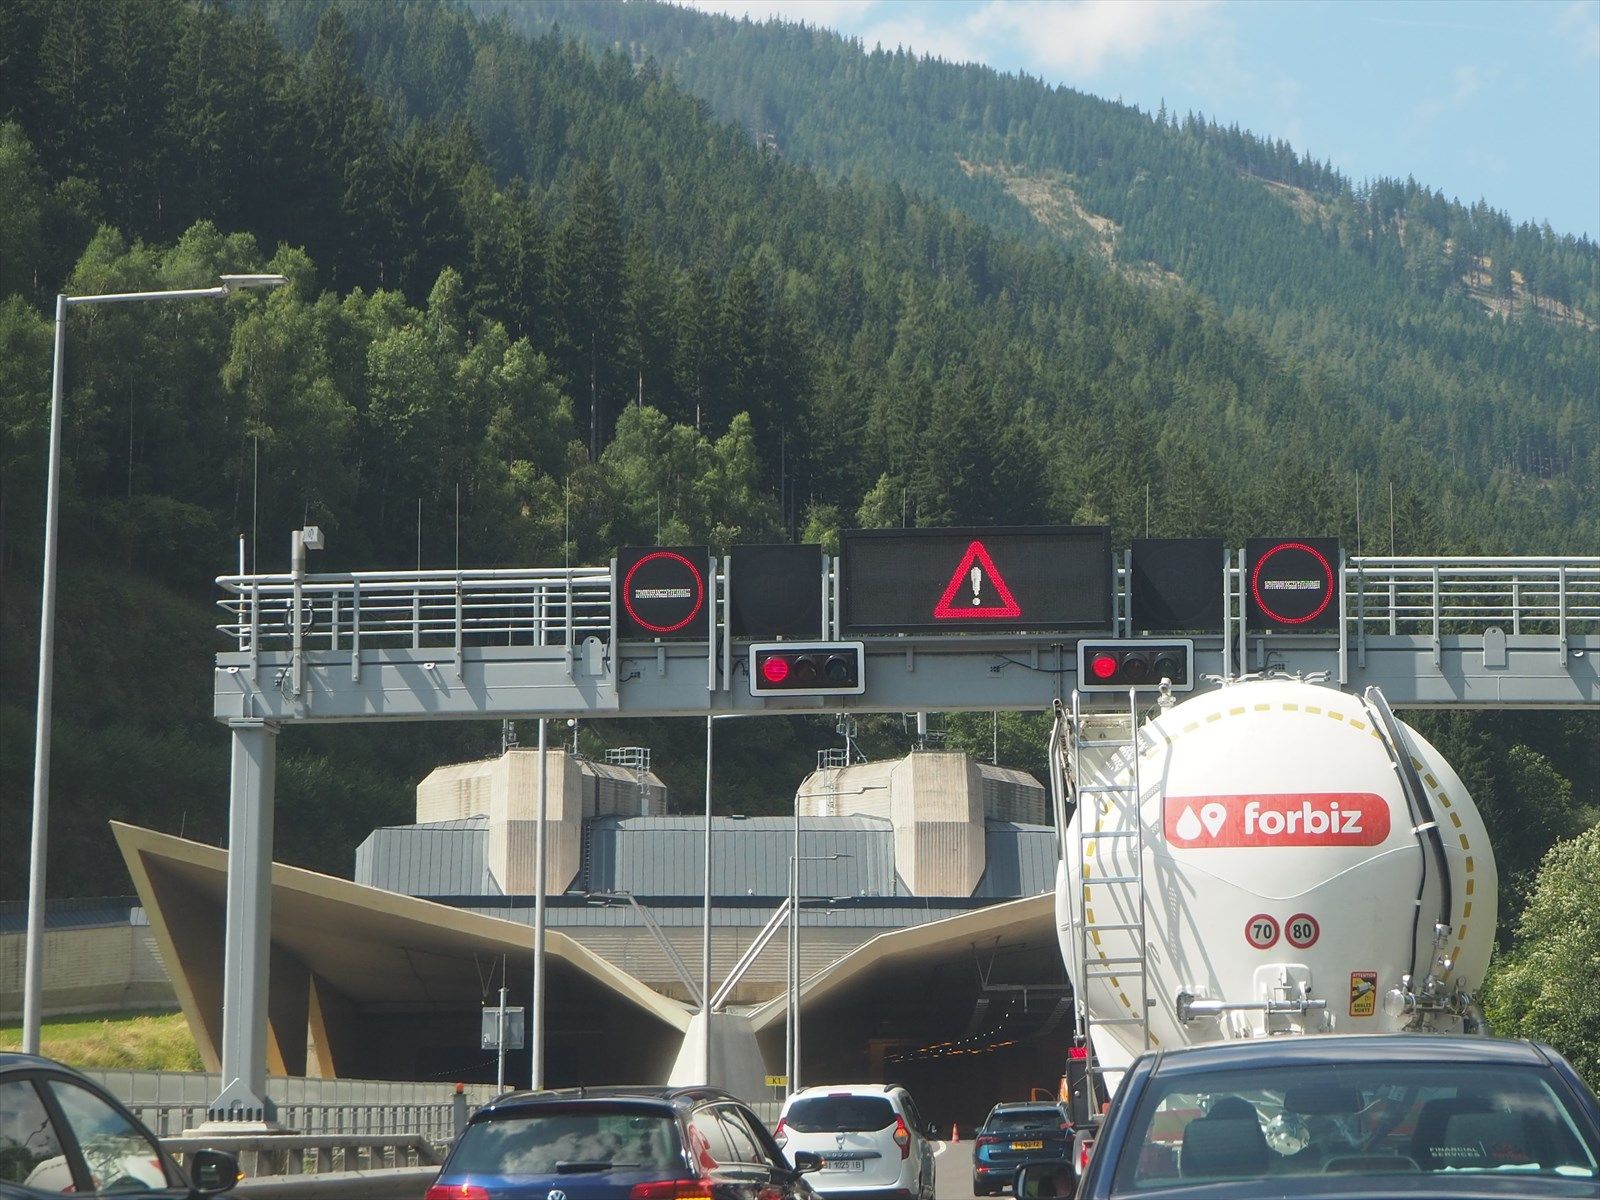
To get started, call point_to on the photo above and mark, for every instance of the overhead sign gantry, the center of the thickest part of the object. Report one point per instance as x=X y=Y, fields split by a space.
x=919 y=620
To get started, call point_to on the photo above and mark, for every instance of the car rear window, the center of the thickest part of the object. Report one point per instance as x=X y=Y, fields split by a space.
x=839 y=1114
x=1025 y=1118
x=1361 y=1119
x=583 y=1140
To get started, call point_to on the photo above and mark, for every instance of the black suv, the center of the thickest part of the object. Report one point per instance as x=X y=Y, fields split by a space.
x=61 y=1132
x=620 y=1143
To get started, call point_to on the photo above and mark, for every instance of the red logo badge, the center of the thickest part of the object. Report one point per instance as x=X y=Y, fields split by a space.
x=1282 y=819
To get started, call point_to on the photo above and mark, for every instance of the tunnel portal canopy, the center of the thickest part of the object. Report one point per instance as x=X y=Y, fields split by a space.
x=366 y=983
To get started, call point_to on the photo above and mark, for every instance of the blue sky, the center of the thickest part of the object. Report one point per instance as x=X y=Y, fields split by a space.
x=1495 y=99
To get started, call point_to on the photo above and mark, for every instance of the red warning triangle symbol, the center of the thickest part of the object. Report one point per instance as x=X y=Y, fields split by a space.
x=976 y=559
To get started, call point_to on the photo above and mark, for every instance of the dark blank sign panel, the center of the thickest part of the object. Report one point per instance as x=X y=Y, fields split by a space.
x=1177 y=584
x=775 y=591
x=661 y=592
x=1292 y=584
x=1008 y=579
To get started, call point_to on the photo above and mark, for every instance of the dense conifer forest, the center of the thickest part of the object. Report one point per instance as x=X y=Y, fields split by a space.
x=555 y=290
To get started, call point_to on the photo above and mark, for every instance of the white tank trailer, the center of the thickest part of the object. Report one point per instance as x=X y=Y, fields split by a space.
x=1270 y=857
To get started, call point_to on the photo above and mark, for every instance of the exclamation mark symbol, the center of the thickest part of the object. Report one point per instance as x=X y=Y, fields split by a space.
x=977 y=582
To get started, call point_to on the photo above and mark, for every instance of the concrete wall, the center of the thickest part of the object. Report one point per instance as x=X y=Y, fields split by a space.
x=506 y=790
x=938 y=823
x=97 y=969
x=937 y=802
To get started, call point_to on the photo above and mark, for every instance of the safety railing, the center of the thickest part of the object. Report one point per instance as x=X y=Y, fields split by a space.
x=1436 y=596
x=383 y=1123
x=560 y=607
x=418 y=609
x=277 y=1154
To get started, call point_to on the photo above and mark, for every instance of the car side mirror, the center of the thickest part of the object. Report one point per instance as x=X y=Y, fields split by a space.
x=806 y=1161
x=212 y=1171
x=1044 y=1181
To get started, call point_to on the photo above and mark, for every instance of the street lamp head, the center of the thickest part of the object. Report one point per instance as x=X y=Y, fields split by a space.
x=242 y=283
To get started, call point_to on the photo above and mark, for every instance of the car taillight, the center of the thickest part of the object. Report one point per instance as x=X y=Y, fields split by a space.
x=1083 y=1154
x=780 y=1135
x=456 y=1191
x=902 y=1137
x=671 y=1189
x=985 y=1139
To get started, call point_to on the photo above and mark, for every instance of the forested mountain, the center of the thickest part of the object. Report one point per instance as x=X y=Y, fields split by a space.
x=545 y=303
x=1387 y=283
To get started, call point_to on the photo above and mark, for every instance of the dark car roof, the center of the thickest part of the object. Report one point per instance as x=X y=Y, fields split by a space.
x=1024 y=1105
x=12 y=1060
x=671 y=1096
x=1345 y=1048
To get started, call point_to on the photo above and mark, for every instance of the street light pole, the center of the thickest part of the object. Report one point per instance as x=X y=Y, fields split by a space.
x=705 y=944
x=33 y=970
x=792 y=1000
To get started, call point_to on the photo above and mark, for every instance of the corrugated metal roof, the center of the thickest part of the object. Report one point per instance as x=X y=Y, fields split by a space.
x=440 y=858
x=1021 y=860
x=660 y=858
x=665 y=856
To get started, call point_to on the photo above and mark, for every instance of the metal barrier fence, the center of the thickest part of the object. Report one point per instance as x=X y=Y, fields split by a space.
x=419 y=610
x=170 y=1102
x=555 y=607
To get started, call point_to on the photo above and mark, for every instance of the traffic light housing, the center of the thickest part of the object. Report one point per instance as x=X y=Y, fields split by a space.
x=1117 y=664
x=807 y=669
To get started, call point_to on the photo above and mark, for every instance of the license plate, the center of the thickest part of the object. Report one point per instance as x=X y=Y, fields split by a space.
x=843 y=1164
x=1027 y=1145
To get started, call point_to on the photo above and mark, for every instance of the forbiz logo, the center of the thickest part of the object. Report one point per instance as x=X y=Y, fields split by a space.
x=1277 y=819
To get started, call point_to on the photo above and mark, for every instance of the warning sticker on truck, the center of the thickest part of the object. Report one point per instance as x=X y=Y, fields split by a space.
x=1363 y=993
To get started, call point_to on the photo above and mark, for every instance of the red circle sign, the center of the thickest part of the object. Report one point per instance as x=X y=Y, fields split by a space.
x=1328 y=583
x=686 y=589
x=1302 y=930
x=1261 y=931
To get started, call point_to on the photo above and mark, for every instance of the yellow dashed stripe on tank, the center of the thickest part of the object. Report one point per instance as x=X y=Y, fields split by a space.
x=1471 y=884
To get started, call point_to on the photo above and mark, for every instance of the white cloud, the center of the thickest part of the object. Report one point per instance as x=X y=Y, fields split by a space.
x=1579 y=23
x=952 y=40
x=828 y=13
x=1083 y=36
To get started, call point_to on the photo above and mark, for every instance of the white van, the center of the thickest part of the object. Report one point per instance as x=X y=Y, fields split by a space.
x=873 y=1142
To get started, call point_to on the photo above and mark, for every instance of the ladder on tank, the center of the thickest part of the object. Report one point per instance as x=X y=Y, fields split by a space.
x=1107 y=911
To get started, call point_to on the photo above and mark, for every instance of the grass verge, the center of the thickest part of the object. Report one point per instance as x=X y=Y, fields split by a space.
x=139 y=1041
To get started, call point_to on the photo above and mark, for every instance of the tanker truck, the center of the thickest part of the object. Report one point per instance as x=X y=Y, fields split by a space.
x=1269 y=857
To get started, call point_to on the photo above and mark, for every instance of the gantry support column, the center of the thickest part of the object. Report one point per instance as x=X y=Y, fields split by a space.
x=249 y=932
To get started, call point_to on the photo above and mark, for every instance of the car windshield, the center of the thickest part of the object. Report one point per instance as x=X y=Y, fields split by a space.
x=1011 y=1119
x=1351 y=1119
x=839 y=1114
x=568 y=1141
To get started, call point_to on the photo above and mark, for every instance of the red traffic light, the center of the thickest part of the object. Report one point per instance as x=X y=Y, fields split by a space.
x=1123 y=663
x=807 y=668
x=1103 y=666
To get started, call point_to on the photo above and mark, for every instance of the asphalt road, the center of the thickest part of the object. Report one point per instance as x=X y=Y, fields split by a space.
x=953 y=1175
x=952 y=1178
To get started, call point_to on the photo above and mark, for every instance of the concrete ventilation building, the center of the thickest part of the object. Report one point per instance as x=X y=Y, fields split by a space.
x=926 y=931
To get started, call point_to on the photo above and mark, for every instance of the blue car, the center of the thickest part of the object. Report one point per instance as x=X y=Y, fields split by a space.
x=1423 y=1116
x=620 y=1143
x=1015 y=1134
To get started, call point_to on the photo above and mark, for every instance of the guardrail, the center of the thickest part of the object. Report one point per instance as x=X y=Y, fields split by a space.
x=1434 y=596
x=382 y=1122
x=557 y=607
x=419 y=610
x=277 y=1154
